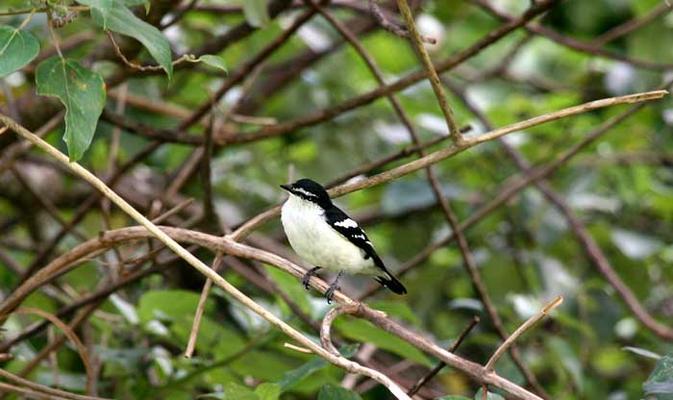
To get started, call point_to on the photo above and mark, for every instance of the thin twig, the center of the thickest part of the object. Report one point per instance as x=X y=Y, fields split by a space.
x=521 y=329
x=631 y=25
x=46 y=390
x=190 y=58
x=297 y=348
x=81 y=349
x=513 y=186
x=454 y=131
x=431 y=374
x=404 y=82
x=391 y=27
x=575 y=44
x=200 y=308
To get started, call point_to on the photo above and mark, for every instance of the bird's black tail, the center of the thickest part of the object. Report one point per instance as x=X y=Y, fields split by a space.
x=389 y=281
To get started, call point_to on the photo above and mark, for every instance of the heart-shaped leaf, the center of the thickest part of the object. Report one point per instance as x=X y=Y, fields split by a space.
x=81 y=91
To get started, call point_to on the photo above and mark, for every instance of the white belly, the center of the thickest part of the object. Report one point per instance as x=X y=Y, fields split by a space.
x=317 y=243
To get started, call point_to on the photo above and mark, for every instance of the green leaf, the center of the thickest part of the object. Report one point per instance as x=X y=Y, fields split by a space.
x=290 y=378
x=660 y=382
x=118 y=18
x=17 y=48
x=296 y=375
x=452 y=397
x=231 y=391
x=214 y=61
x=564 y=351
x=168 y=304
x=268 y=391
x=331 y=392
x=362 y=331
x=288 y=284
x=256 y=13
x=102 y=6
x=81 y=91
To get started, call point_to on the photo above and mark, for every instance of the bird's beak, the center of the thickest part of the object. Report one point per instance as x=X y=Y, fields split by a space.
x=286 y=187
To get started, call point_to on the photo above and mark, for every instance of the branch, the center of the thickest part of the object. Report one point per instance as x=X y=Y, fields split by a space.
x=591 y=248
x=391 y=27
x=454 y=131
x=326 y=341
x=431 y=374
x=326 y=326
x=70 y=334
x=520 y=330
x=108 y=239
x=513 y=186
x=574 y=44
x=198 y=264
x=468 y=258
x=44 y=390
x=629 y=26
x=401 y=84
x=454 y=149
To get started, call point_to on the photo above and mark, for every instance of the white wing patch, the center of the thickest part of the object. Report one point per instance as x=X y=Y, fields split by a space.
x=347 y=223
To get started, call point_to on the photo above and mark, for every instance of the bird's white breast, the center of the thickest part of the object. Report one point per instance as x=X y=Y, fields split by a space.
x=315 y=241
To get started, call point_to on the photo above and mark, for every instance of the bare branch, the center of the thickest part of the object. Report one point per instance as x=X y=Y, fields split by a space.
x=391 y=27
x=431 y=374
x=70 y=334
x=454 y=131
x=46 y=391
x=521 y=329
x=326 y=326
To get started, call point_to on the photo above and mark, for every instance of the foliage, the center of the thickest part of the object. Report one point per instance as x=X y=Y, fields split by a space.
x=214 y=83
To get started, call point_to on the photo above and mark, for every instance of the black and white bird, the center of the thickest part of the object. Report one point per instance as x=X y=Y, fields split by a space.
x=323 y=235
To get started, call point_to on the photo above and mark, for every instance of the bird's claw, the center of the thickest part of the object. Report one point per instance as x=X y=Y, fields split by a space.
x=307 y=276
x=305 y=280
x=330 y=293
x=333 y=287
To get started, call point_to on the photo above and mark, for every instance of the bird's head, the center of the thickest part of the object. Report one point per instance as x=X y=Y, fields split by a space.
x=309 y=190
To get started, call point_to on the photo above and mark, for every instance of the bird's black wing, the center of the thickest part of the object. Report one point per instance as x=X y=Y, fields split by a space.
x=350 y=229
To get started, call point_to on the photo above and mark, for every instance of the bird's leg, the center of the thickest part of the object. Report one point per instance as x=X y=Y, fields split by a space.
x=307 y=276
x=334 y=286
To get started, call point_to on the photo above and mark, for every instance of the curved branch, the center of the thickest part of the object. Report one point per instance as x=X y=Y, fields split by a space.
x=521 y=329
x=81 y=349
x=326 y=326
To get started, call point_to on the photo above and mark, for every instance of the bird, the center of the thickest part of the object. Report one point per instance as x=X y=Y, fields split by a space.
x=326 y=237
